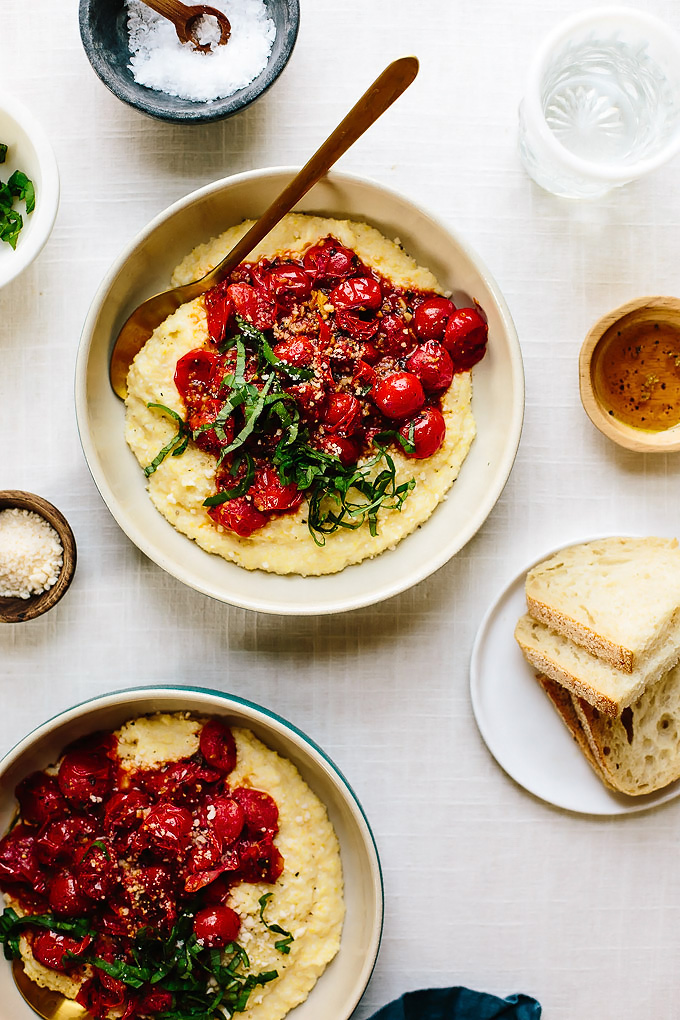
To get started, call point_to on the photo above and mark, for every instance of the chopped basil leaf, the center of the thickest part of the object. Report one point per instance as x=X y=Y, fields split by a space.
x=22 y=187
x=3 y=152
x=283 y=945
x=19 y=186
x=11 y=924
x=177 y=444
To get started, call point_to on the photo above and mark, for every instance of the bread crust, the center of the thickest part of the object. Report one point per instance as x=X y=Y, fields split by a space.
x=599 y=646
x=563 y=703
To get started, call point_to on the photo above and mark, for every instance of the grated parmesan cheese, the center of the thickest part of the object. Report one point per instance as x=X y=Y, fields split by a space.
x=31 y=554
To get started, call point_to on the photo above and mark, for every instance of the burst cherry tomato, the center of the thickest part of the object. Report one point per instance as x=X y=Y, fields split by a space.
x=227 y=818
x=183 y=782
x=51 y=950
x=19 y=859
x=66 y=898
x=296 y=350
x=207 y=439
x=429 y=430
x=260 y=810
x=394 y=336
x=328 y=262
x=465 y=338
x=269 y=493
x=342 y=414
x=96 y=870
x=215 y=927
x=260 y=861
x=195 y=373
x=155 y=1001
x=218 y=746
x=238 y=515
x=432 y=364
x=219 y=311
x=60 y=840
x=165 y=831
x=288 y=282
x=40 y=799
x=252 y=305
x=85 y=777
x=125 y=810
x=398 y=395
x=345 y=450
x=431 y=317
x=361 y=293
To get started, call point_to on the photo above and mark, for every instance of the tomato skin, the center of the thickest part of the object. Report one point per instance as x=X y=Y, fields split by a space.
x=347 y=451
x=229 y=819
x=394 y=336
x=432 y=364
x=215 y=927
x=59 y=841
x=260 y=811
x=66 y=898
x=165 y=832
x=40 y=799
x=50 y=949
x=288 y=282
x=328 y=262
x=465 y=338
x=360 y=293
x=195 y=372
x=252 y=305
x=297 y=350
x=238 y=515
x=124 y=810
x=218 y=746
x=429 y=430
x=431 y=317
x=85 y=777
x=342 y=414
x=270 y=494
x=398 y=395
x=219 y=311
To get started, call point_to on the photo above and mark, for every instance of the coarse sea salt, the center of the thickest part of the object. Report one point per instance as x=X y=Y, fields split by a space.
x=161 y=62
x=31 y=554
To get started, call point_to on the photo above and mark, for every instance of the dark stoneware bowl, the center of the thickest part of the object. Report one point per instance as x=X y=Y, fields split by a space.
x=103 y=30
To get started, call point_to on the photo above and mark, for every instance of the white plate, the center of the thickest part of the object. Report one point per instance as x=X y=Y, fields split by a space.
x=144 y=268
x=522 y=729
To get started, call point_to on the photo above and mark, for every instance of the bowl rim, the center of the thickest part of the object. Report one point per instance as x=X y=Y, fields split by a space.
x=626 y=436
x=130 y=695
x=47 y=196
x=359 y=598
x=196 y=111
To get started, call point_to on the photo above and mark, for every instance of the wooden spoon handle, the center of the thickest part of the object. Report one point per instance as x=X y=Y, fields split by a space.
x=173 y=10
x=394 y=80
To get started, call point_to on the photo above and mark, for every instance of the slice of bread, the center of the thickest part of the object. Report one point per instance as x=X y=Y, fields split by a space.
x=608 y=689
x=639 y=751
x=563 y=702
x=617 y=597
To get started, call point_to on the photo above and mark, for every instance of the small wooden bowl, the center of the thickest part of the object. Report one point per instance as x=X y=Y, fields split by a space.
x=644 y=313
x=16 y=610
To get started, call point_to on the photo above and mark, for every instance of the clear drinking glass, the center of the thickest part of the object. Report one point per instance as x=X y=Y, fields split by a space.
x=602 y=102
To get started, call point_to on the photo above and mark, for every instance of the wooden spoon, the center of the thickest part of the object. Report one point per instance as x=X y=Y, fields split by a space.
x=141 y=324
x=186 y=19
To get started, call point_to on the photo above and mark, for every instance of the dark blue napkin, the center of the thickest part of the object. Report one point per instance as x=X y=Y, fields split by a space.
x=458 y=1004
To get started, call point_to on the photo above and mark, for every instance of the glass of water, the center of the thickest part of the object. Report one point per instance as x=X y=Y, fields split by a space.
x=602 y=102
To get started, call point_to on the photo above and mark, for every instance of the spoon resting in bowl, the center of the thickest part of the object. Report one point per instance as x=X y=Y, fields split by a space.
x=394 y=80
x=186 y=20
x=46 y=1003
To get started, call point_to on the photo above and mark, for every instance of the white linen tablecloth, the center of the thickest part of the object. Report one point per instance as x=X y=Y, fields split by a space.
x=485 y=886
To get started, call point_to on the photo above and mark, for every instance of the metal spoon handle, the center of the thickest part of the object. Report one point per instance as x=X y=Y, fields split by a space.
x=379 y=97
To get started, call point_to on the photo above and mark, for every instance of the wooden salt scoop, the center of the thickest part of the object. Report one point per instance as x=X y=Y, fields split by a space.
x=186 y=19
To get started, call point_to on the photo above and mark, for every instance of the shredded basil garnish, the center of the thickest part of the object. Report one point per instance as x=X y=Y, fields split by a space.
x=11 y=925
x=283 y=945
x=177 y=444
x=3 y=152
x=18 y=186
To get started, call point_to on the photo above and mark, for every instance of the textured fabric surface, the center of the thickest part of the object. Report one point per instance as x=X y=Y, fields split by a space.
x=485 y=886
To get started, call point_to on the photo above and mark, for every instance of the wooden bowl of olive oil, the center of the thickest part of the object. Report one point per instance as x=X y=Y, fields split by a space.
x=630 y=375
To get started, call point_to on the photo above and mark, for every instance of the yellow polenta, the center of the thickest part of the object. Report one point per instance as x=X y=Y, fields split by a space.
x=181 y=484
x=307 y=899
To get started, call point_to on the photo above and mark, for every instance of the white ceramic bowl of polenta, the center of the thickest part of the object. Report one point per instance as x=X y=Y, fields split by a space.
x=285 y=571
x=337 y=940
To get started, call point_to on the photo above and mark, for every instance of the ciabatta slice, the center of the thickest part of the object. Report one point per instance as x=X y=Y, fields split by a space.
x=608 y=689
x=617 y=597
x=563 y=702
x=639 y=751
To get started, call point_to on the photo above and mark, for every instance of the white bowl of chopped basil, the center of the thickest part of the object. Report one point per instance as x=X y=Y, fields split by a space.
x=145 y=268
x=29 y=188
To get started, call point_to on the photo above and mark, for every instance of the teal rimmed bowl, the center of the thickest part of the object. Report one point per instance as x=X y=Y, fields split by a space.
x=342 y=984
